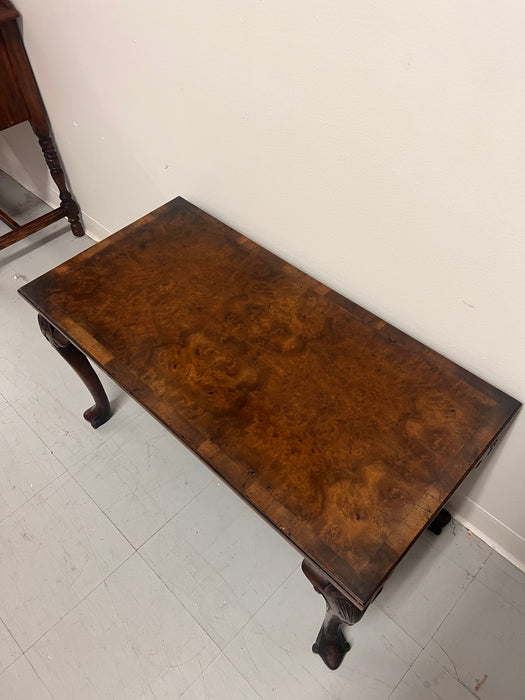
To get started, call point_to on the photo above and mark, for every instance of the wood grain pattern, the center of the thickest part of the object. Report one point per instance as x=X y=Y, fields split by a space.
x=343 y=432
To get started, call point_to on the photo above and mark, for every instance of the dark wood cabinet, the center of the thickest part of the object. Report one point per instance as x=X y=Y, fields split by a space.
x=20 y=101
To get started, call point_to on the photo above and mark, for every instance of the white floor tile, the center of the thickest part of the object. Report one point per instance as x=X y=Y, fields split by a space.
x=459 y=545
x=273 y=651
x=54 y=550
x=430 y=579
x=221 y=560
x=9 y=649
x=28 y=360
x=141 y=477
x=20 y=682
x=505 y=579
x=62 y=428
x=221 y=681
x=130 y=638
x=26 y=464
x=428 y=680
x=9 y=283
x=482 y=643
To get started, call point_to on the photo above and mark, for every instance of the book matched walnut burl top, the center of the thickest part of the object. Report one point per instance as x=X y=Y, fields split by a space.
x=342 y=431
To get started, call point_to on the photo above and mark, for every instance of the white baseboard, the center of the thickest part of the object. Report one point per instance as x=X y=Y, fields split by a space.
x=93 y=228
x=488 y=528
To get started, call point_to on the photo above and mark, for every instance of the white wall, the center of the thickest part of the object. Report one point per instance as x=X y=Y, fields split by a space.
x=377 y=145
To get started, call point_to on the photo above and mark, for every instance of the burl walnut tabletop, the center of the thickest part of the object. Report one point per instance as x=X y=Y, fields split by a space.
x=346 y=434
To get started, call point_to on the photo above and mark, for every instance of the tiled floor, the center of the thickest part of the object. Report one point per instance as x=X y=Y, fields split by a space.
x=127 y=571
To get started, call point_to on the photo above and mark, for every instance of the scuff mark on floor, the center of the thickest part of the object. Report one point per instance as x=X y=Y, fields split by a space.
x=480 y=683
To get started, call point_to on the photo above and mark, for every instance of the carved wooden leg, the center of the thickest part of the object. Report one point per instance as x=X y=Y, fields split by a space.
x=331 y=644
x=101 y=411
x=442 y=518
x=68 y=204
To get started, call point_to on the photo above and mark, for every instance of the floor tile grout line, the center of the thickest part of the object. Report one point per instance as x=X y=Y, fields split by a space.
x=201 y=676
x=35 y=495
x=460 y=597
x=456 y=674
x=398 y=625
x=231 y=661
x=51 y=694
x=174 y=515
x=106 y=516
x=79 y=602
x=471 y=579
x=11 y=663
x=221 y=650
x=12 y=636
x=216 y=644
x=48 y=447
x=296 y=568
x=101 y=583
x=172 y=593
x=421 y=650
x=136 y=548
x=500 y=596
x=134 y=551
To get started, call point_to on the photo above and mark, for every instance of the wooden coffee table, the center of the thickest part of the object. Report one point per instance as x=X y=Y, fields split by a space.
x=344 y=433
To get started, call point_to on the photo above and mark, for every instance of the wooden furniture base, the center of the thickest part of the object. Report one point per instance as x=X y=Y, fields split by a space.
x=20 y=101
x=344 y=433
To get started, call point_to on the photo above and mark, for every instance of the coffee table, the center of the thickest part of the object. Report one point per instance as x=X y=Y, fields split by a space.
x=344 y=433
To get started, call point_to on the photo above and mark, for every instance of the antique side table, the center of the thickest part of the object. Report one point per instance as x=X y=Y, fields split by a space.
x=344 y=433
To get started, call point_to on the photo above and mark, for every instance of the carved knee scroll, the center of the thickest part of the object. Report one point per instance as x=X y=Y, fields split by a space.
x=331 y=644
x=101 y=411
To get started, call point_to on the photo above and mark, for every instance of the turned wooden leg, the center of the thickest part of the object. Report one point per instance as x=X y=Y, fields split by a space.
x=100 y=412
x=68 y=204
x=442 y=518
x=331 y=644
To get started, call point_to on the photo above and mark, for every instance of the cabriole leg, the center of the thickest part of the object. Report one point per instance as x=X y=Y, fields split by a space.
x=331 y=644
x=101 y=411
